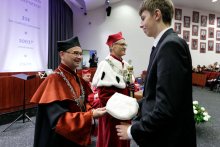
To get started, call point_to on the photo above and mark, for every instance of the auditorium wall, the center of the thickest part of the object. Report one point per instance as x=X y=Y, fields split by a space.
x=93 y=30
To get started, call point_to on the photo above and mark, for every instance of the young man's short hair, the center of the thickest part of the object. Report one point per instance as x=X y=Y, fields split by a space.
x=165 y=6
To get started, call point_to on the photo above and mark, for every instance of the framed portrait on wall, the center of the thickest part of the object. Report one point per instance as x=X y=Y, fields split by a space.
x=178 y=14
x=211 y=19
x=203 y=34
x=195 y=17
x=218 y=22
x=194 y=44
x=195 y=30
x=186 y=36
x=203 y=20
x=202 y=47
x=217 y=47
x=211 y=32
x=178 y=28
x=210 y=45
x=186 y=21
x=218 y=35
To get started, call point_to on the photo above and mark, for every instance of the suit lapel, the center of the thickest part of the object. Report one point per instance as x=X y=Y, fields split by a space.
x=169 y=31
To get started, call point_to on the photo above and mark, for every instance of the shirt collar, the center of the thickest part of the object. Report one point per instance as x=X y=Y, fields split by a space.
x=116 y=58
x=159 y=36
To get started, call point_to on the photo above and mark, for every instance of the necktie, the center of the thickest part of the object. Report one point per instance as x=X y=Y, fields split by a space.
x=152 y=50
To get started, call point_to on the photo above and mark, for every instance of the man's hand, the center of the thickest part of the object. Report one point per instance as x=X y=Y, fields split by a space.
x=122 y=131
x=131 y=87
x=100 y=112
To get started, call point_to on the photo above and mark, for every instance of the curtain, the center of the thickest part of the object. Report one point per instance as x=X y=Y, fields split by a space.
x=60 y=28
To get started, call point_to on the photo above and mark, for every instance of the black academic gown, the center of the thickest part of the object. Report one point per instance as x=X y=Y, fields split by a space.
x=166 y=110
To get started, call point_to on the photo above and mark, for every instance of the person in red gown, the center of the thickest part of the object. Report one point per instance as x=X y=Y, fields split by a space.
x=110 y=78
x=64 y=117
x=86 y=75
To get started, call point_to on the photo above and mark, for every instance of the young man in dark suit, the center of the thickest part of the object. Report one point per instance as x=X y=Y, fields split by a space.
x=166 y=111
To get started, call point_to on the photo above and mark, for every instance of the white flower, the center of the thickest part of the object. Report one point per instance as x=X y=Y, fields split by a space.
x=205 y=118
x=194 y=107
x=195 y=112
x=205 y=114
x=203 y=108
x=195 y=102
x=208 y=116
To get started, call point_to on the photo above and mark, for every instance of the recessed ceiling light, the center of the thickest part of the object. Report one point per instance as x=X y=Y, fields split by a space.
x=214 y=0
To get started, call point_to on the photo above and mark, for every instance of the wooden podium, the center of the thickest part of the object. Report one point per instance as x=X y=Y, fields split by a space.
x=23 y=77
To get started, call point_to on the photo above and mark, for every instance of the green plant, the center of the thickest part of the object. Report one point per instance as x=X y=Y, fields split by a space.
x=200 y=114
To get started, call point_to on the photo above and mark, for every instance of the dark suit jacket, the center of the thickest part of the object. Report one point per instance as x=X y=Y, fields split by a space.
x=166 y=110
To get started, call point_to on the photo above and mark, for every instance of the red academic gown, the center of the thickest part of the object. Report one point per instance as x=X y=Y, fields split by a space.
x=107 y=134
x=59 y=121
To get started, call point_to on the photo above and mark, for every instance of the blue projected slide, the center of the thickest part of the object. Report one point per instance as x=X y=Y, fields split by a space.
x=23 y=35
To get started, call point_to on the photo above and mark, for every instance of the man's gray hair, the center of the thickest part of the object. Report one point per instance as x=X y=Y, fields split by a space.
x=110 y=47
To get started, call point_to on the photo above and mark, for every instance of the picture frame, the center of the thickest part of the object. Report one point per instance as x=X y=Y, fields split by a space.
x=217 y=47
x=178 y=14
x=211 y=19
x=218 y=35
x=195 y=17
x=194 y=44
x=178 y=28
x=186 y=36
x=202 y=34
x=202 y=47
x=211 y=32
x=187 y=21
x=218 y=22
x=195 y=30
x=210 y=45
x=203 y=20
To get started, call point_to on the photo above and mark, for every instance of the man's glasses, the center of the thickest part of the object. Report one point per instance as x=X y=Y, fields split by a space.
x=122 y=44
x=77 y=54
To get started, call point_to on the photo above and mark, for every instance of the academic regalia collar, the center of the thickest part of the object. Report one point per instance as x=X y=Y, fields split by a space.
x=116 y=58
x=121 y=60
x=67 y=69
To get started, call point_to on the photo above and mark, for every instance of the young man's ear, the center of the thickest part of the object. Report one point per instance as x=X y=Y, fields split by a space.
x=157 y=14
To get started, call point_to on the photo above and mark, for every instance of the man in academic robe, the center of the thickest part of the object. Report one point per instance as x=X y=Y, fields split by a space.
x=166 y=110
x=86 y=75
x=109 y=78
x=64 y=116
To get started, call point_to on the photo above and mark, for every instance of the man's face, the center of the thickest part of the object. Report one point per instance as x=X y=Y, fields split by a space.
x=148 y=23
x=71 y=60
x=194 y=43
x=119 y=49
x=87 y=77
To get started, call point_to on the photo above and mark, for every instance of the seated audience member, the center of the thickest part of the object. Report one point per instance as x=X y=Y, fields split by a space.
x=209 y=68
x=203 y=67
x=214 y=69
x=213 y=82
x=192 y=70
x=199 y=71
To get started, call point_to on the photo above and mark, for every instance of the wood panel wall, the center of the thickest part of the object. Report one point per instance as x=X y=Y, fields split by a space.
x=12 y=90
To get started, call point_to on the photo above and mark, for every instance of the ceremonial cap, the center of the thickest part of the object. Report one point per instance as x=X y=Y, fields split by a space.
x=122 y=107
x=113 y=38
x=66 y=44
x=86 y=71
